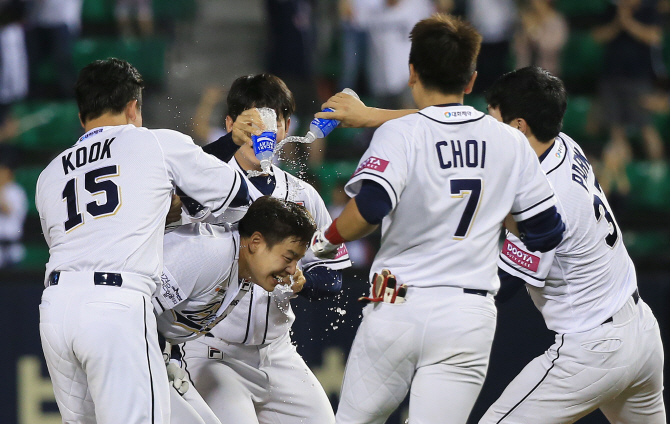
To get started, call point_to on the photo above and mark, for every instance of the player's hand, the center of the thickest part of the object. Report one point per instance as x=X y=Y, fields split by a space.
x=298 y=281
x=350 y=111
x=323 y=248
x=248 y=123
x=174 y=214
x=177 y=377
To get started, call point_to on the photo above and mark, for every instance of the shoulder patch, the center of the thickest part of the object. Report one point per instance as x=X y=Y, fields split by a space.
x=374 y=163
x=520 y=256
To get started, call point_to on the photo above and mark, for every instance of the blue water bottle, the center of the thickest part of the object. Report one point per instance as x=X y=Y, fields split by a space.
x=319 y=128
x=264 y=144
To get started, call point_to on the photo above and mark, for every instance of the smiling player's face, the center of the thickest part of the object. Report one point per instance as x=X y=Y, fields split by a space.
x=271 y=266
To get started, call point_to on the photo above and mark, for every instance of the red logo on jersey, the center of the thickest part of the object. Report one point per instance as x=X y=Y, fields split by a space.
x=520 y=257
x=373 y=163
x=341 y=251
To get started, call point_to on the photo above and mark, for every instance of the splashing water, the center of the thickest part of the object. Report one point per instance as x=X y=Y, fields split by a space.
x=290 y=139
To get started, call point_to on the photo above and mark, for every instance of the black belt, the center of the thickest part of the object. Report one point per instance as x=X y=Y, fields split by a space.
x=99 y=279
x=636 y=298
x=475 y=291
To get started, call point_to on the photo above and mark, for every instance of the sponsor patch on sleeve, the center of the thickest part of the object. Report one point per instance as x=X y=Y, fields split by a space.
x=341 y=251
x=373 y=163
x=520 y=256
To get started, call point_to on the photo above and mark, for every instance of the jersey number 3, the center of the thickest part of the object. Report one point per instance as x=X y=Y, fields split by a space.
x=95 y=182
x=601 y=210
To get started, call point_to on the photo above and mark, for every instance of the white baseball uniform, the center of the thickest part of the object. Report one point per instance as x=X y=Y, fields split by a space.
x=102 y=205
x=249 y=371
x=608 y=352
x=452 y=174
x=199 y=287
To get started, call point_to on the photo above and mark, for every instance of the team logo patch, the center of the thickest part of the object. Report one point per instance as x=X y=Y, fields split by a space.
x=169 y=291
x=520 y=257
x=373 y=163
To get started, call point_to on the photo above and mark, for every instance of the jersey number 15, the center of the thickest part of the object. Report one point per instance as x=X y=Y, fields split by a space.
x=96 y=182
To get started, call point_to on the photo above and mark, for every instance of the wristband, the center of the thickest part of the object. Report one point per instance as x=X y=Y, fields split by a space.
x=332 y=235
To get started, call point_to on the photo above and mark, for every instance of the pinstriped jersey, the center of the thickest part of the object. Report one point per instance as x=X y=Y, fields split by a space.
x=452 y=174
x=262 y=317
x=200 y=284
x=589 y=276
x=103 y=202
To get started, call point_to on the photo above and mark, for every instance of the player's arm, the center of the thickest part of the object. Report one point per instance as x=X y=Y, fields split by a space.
x=193 y=170
x=321 y=283
x=509 y=286
x=542 y=232
x=352 y=113
x=360 y=217
x=248 y=123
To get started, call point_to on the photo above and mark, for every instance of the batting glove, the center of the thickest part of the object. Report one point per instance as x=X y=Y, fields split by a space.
x=322 y=247
x=178 y=378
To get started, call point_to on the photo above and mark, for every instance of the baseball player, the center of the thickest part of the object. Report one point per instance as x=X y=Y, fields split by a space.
x=102 y=205
x=441 y=182
x=608 y=352
x=209 y=268
x=248 y=370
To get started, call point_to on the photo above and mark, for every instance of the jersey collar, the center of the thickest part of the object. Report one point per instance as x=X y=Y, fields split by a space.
x=554 y=156
x=452 y=113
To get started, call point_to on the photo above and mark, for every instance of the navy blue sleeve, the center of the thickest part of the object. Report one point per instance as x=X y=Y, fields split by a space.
x=509 y=285
x=373 y=202
x=543 y=231
x=321 y=283
x=224 y=148
x=242 y=197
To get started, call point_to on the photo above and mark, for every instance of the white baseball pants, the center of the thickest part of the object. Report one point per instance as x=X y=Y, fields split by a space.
x=101 y=348
x=190 y=408
x=437 y=343
x=252 y=384
x=617 y=367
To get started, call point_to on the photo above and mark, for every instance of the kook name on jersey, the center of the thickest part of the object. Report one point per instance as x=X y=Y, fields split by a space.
x=87 y=154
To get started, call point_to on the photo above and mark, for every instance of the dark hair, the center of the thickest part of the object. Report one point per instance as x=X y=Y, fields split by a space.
x=277 y=220
x=107 y=86
x=532 y=94
x=262 y=90
x=444 y=52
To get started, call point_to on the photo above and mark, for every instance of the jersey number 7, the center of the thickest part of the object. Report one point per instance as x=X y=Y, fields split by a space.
x=459 y=188
x=94 y=185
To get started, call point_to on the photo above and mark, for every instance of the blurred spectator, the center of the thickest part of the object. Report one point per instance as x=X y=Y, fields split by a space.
x=354 y=44
x=628 y=75
x=361 y=251
x=209 y=126
x=13 y=209
x=495 y=20
x=389 y=23
x=13 y=64
x=53 y=27
x=542 y=35
x=126 y=11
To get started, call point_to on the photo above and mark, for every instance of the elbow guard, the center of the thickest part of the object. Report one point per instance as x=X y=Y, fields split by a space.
x=542 y=232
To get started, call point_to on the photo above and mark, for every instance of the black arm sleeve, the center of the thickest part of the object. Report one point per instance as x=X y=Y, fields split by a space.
x=543 y=231
x=509 y=285
x=373 y=202
x=224 y=148
x=321 y=283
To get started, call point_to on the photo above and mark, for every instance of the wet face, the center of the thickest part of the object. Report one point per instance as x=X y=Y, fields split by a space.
x=271 y=266
x=245 y=155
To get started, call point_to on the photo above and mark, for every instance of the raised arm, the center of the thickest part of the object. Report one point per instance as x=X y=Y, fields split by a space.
x=352 y=113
